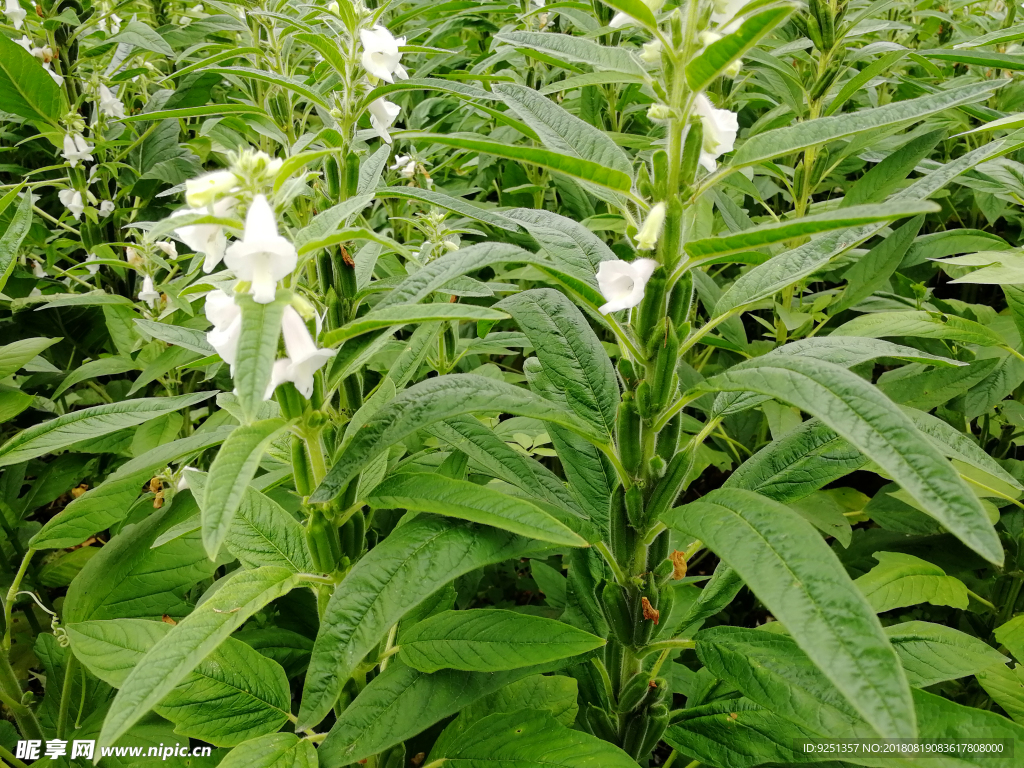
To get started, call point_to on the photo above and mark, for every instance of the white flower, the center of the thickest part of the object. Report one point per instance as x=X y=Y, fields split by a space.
x=382 y=115
x=381 y=57
x=76 y=150
x=334 y=8
x=72 y=200
x=623 y=282
x=15 y=13
x=652 y=52
x=203 y=190
x=46 y=55
x=262 y=256
x=110 y=105
x=648 y=235
x=720 y=129
x=37 y=269
x=708 y=37
x=25 y=43
x=182 y=484
x=207 y=239
x=93 y=268
x=170 y=249
x=304 y=359
x=726 y=10
x=621 y=19
x=107 y=207
x=226 y=316
x=149 y=294
x=405 y=165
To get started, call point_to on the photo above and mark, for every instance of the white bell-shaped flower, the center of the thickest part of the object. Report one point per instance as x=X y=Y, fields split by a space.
x=720 y=129
x=76 y=149
x=381 y=57
x=207 y=239
x=623 y=282
x=405 y=165
x=262 y=256
x=92 y=268
x=72 y=200
x=110 y=105
x=107 y=207
x=149 y=293
x=226 y=316
x=382 y=116
x=205 y=189
x=25 y=43
x=15 y=13
x=304 y=358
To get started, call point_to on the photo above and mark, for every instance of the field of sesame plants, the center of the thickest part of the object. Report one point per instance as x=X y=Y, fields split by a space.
x=511 y=384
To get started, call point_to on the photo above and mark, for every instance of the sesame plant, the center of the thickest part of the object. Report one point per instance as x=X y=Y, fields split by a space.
x=422 y=384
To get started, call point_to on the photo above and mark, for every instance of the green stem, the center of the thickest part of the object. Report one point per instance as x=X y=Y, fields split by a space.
x=65 y=694
x=7 y=756
x=10 y=695
x=12 y=593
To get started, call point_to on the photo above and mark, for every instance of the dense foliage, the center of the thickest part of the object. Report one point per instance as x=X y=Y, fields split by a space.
x=411 y=383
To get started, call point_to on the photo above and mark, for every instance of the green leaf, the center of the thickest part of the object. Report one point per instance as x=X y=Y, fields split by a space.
x=933 y=653
x=102 y=506
x=590 y=474
x=188 y=338
x=529 y=739
x=1006 y=687
x=262 y=532
x=233 y=695
x=1011 y=635
x=446 y=268
x=574 y=251
x=771 y=670
x=491 y=640
x=415 y=560
x=585 y=170
x=987 y=59
x=716 y=58
x=495 y=456
x=14 y=356
x=230 y=475
x=424 y=492
x=793 y=265
x=802 y=461
x=449 y=203
x=784 y=141
x=58 y=433
x=401 y=702
x=921 y=324
x=888 y=175
x=105 y=366
x=130 y=579
x=16 y=231
x=576 y=49
x=138 y=34
x=182 y=649
x=561 y=131
x=873 y=270
x=573 y=358
x=787 y=564
x=900 y=580
x=879 y=429
x=842 y=218
x=26 y=89
x=288 y=83
x=182 y=113
x=257 y=349
x=434 y=400
x=403 y=314
x=277 y=750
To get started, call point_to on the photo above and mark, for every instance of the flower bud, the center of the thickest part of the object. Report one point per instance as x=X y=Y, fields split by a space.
x=204 y=190
x=647 y=237
x=660 y=112
x=652 y=52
